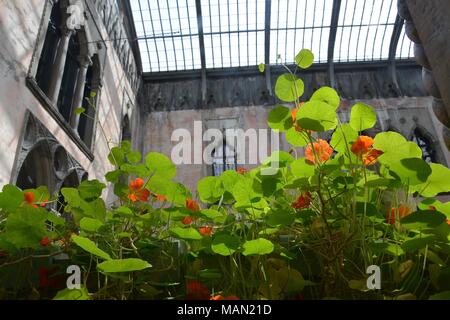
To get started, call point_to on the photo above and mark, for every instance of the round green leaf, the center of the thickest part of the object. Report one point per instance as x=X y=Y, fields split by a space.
x=185 y=233
x=288 y=87
x=134 y=156
x=395 y=147
x=280 y=118
x=89 y=246
x=160 y=165
x=304 y=58
x=327 y=95
x=225 y=244
x=421 y=220
x=437 y=182
x=259 y=246
x=90 y=225
x=298 y=139
x=317 y=116
x=300 y=168
x=280 y=218
x=210 y=189
x=72 y=294
x=362 y=117
x=411 y=171
x=343 y=137
x=123 y=265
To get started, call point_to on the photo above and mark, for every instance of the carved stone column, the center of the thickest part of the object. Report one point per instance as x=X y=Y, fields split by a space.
x=85 y=62
x=428 y=26
x=58 y=68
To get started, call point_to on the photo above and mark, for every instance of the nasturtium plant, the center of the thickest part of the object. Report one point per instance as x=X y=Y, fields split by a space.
x=308 y=223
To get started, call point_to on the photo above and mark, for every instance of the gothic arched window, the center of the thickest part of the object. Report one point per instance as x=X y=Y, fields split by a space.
x=428 y=152
x=50 y=49
x=224 y=158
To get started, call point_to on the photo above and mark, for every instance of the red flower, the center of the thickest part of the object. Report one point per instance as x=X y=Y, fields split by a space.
x=321 y=148
x=48 y=278
x=137 y=191
x=403 y=211
x=45 y=241
x=188 y=220
x=303 y=201
x=196 y=291
x=192 y=205
x=28 y=197
x=241 y=170
x=206 y=231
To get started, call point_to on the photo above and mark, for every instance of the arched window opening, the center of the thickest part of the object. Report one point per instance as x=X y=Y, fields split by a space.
x=126 y=129
x=428 y=152
x=224 y=158
x=50 y=49
x=36 y=169
x=69 y=80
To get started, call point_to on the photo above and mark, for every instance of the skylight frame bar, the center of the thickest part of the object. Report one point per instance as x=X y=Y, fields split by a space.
x=248 y=46
x=351 y=31
x=278 y=34
x=173 y=40
x=376 y=30
x=211 y=37
x=190 y=33
x=145 y=35
x=385 y=29
x=229 y=29
x=162 y=31
x=286 y=32
x=321 y=29
x=182 y=42
x=359 y=30
x=153 y=29
x=342 y=31
x=314 y=23
x=368 y=28
x=304 y=24
x=295 y=25
x=238 y=34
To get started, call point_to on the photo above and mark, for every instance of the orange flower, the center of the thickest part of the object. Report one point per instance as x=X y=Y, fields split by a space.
x=45 y=241
x=137 y=191
x=188 y=220
x=28 y=197
x=205 y=231
x=219 y=297
x=192 y=205
x=303 y=201
x=403 y=211
x=432 y=208
x=371 y=157
x=197 y=291
x=294 y=114
x=160 y=197
x=362 y=145
x=241 y=170
x=447 y=221
x=321 y=148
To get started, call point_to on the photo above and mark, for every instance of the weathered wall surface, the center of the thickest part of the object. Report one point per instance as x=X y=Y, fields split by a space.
x=400 y=114
x=19 y=27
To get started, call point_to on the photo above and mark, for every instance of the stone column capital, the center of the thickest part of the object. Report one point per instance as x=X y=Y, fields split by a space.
x=84 y=60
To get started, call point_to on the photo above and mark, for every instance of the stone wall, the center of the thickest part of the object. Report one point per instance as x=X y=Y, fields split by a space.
x=20 y=22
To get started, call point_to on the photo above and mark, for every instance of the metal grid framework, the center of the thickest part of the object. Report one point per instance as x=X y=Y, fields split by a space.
x=179 y=35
